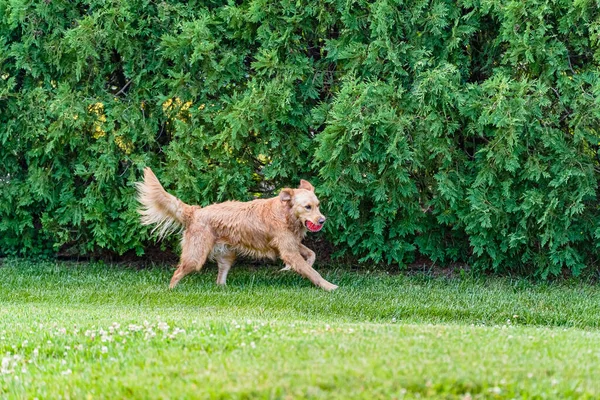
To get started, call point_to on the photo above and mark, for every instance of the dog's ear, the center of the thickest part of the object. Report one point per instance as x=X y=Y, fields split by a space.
x=306 y=185
x=286 y=194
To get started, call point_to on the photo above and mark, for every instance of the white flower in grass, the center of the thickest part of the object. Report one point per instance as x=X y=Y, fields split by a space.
x=253 y=345
x=163 y=326
x=67 y=372
x=63 y=362
x=36 y=351
x=149 y=334
x=5 y=364
x=62 y=331
x=79 y=347
x=176 y=331
x=104 y=350
x=106 y=338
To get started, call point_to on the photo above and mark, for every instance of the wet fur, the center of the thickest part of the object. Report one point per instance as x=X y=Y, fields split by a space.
x=266 y=228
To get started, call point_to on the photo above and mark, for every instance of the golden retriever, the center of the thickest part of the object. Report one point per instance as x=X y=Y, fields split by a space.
x=264 y=228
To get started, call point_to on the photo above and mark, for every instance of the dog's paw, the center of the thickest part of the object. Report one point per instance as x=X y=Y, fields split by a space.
x=330 y=287
x=286 y=268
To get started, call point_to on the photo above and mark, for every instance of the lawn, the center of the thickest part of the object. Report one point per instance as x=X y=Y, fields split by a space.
x=96 y=331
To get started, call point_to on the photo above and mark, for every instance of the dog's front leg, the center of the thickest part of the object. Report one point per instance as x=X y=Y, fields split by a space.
x=306 y=253
x=299 y=264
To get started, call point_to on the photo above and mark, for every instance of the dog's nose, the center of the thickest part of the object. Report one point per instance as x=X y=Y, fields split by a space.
x=322 y=220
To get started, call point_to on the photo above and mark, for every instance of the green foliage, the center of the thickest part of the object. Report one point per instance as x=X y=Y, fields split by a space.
x=463 y=131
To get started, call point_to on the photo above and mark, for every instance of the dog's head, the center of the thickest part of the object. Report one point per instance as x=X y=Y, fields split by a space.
x=304 y=205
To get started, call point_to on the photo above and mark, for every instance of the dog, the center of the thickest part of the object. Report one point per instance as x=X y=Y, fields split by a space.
x=263 y=228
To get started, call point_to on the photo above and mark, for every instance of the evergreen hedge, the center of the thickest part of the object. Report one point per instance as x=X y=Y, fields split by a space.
x=460 y=130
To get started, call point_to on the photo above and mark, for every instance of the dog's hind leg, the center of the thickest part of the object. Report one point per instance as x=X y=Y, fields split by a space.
x=224 y=258
x=195 y=248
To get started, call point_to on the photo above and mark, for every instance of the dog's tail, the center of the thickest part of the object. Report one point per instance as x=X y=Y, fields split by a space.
x=159 y=207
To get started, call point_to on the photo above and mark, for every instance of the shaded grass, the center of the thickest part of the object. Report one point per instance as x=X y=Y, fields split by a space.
x=272 y=335
x=268 y=293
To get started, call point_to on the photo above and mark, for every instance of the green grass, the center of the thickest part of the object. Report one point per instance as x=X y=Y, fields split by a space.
x=93 y=331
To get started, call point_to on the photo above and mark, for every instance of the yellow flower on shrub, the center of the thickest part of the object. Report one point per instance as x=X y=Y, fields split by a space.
x=176 y=108
x=98 y=132
x=124 y=144
x=97 y=109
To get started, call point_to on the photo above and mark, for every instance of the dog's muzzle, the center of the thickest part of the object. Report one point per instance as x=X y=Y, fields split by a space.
x=313 y=227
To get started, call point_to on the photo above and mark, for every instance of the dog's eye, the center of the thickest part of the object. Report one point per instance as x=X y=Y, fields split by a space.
x=308 y=207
